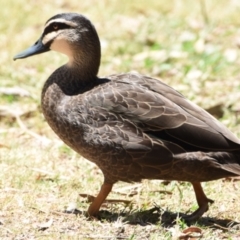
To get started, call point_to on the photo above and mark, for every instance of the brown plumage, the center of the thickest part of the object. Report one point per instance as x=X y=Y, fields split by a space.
x=131 y=126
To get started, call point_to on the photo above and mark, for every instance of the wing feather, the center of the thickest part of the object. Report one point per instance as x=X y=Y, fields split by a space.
x=153 y=106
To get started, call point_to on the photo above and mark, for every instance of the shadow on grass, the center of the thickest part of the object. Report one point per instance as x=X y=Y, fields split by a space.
x=162 y=217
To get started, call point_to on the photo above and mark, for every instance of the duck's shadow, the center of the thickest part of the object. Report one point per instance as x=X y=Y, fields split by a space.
x=164 y=217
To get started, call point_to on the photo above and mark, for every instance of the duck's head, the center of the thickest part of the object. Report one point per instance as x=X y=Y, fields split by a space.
x=71 y=34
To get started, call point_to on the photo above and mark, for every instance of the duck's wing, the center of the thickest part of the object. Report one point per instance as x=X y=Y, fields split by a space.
x=155 y=107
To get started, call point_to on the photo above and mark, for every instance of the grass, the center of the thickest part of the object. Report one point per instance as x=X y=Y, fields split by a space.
x=193 y=48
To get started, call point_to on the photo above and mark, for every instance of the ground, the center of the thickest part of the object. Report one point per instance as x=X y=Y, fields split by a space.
x=191 y=45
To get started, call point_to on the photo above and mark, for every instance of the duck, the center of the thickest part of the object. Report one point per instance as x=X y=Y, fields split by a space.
x=133 y=127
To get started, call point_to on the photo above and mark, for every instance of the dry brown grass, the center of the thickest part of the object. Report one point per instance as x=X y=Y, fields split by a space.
x=193 y=50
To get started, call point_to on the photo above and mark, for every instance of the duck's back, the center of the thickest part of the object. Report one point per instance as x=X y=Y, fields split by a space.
x=155 y=107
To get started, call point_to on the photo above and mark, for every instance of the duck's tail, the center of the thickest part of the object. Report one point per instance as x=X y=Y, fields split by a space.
x=227 y=161
x=206 y=166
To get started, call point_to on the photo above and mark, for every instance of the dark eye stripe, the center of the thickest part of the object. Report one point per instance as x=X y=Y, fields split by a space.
x=55 y=26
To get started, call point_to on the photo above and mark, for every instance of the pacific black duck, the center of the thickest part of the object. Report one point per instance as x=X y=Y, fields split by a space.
x=131 y=126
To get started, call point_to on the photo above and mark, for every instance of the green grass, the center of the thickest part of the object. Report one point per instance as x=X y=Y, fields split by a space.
x=193 y=49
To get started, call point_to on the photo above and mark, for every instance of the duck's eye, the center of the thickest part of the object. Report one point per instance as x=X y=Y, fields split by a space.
x=55 y=26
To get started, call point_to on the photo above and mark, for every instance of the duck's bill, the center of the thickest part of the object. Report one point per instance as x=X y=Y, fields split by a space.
x=37 y=48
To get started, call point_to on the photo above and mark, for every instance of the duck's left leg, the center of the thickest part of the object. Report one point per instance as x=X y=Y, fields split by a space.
x=202 y=201
x=97 y=202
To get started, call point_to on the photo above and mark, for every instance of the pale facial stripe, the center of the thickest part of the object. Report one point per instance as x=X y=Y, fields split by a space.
x=49 y=37
x=61 y=20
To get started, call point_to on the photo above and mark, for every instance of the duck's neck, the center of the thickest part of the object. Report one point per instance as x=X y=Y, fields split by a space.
x=84 y=63
x=70 y=81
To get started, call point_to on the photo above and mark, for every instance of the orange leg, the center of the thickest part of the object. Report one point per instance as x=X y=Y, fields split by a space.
x=97 y=202
x=202 y=201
